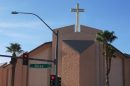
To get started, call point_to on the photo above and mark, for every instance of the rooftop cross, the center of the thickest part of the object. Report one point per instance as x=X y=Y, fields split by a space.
x=77 y=10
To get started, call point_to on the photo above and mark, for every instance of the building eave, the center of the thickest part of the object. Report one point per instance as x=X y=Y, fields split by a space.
x=118 y=51
x=44 y=44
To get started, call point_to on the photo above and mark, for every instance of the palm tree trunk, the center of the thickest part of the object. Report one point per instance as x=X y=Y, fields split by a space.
x=107 y=72
x=13 y=62
x=106 y=65
x=13 y=74
x=107 y=80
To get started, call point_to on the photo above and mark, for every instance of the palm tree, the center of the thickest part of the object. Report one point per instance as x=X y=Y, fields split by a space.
x=106 y=38
x=14 y=48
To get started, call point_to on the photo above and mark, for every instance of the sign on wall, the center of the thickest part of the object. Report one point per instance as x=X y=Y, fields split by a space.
x=40 y=65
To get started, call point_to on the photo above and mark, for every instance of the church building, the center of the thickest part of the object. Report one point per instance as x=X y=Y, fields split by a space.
x=80 y=61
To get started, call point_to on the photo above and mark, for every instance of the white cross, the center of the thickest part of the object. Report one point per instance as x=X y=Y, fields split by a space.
x=77 y=10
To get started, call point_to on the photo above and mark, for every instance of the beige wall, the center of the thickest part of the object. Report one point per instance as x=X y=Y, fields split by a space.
x=82 y=69
x=5 y=74
x=28 y=76
x=116 y=74
x=127 y=71
x=67 y=33
x=1 y=75
x=89 y=64
x=77 y=66
x=77 y=69
x=40 y=76
x=5 y=78
x=88 y=68
x=20 y=74
x=9 y=74
x=70 y=66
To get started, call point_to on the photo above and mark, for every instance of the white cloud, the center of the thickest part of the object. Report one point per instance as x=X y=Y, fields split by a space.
x=17 y=29
x=18 y=35
x=10 y=29
x=28 y=24
x=14 y=34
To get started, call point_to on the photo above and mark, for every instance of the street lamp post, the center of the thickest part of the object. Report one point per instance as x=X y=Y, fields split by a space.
x=56 y=34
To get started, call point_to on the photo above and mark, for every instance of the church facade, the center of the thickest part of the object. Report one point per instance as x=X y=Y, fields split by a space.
x=80 y=62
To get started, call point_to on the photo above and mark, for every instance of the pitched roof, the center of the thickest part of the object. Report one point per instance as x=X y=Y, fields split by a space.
x=127 y=55
x=3 y=64
x=44 y=44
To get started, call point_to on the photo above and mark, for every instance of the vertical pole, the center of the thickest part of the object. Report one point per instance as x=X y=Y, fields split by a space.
x=56 y=63
x=77 y=18
x=27 y=74
x=13 y=62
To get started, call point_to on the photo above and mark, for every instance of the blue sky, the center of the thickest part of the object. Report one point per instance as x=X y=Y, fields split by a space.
x=112 y=15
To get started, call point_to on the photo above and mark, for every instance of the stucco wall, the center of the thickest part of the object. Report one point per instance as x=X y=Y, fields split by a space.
x=70 y=67
x=9 y=67
x=80 y=62
x=71 y=62
x=88 y=68
x=40 y=76
x=127 y=71
x=20 y=73
x=93 y=73
x=5 y=74
x=1 y=75
x=116 y=74
x=68 y=33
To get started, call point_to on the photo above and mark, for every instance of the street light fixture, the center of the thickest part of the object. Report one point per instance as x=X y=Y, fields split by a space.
x=15 y=12
x=56 y=34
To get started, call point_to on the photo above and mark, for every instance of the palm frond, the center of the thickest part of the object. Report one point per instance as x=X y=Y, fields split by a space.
x=14 y=48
